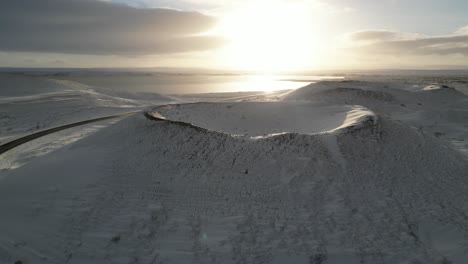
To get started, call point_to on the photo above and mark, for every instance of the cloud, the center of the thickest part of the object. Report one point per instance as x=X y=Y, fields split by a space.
x=101 y=28
x=463 y=31
x=399 y=43
x=381 y=35
x=220 y=7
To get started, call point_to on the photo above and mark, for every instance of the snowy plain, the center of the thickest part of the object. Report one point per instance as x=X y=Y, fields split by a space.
x=353 y=171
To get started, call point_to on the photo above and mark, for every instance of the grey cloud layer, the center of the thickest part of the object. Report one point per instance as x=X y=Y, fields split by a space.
x=381 y=35
x=395 y=43
x=100 y=28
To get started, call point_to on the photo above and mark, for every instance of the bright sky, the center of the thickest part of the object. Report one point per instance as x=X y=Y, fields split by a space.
x=255 y=35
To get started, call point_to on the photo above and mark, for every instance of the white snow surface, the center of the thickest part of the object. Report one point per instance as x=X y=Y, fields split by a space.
x=29 y=103
x=266 y=118
x=189 y=189
x=441 y=110
x=433 y=87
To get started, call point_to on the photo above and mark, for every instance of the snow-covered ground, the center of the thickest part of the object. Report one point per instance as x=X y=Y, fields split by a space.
x=30 y=103
x=335 y=172
x=256 y=119
x=434 y=108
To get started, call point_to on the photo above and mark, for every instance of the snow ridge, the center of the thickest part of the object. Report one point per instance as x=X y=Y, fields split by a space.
x=261 y=120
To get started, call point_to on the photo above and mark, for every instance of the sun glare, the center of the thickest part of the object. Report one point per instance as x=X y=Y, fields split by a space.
x=271 y=36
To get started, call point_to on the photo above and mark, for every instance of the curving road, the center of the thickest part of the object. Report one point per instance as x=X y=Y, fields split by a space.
x=7 y=146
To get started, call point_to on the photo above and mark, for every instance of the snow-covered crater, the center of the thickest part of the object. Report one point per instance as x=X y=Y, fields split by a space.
x=256 y=119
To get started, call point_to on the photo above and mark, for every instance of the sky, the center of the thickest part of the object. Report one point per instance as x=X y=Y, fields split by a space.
x=250 y=35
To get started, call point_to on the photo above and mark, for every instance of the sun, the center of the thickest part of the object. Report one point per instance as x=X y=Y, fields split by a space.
x=271 y=36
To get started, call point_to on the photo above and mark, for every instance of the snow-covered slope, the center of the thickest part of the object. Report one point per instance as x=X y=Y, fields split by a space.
x=436 y=109
x=29 y=104
x=265 y=118
x=371 y=92
x=147 y=191
x=337 y=172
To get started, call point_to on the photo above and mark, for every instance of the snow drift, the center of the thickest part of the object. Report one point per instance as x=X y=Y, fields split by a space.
x=351 y=91
x=438 y=109
x=265 y=118
x=341 y=89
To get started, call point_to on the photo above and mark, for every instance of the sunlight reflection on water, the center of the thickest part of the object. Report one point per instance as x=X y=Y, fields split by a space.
x=191 y=84
x=270 y=83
